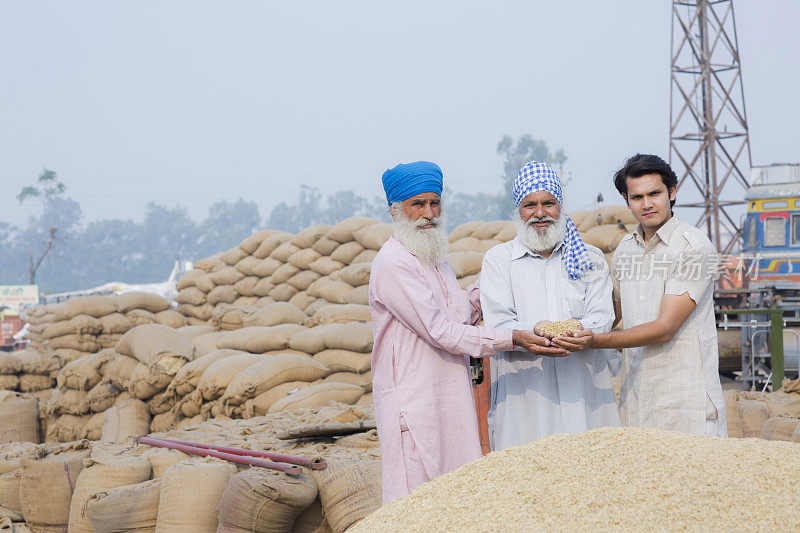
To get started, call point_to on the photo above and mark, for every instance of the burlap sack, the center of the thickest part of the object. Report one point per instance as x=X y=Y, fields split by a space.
x=67 y=402
x=128 y=418
x=78 y=325
x=202 y=312
x=349 y=490
x=162 y=402
x=363 y=380
x=118 y=370
x=188 y=377
x=209 y=264
x=260 y=339
x=19 y=418
x=206 y=343
x=340 y=314
x=165 y=422
x=300 y=260
x=140 y=317
x=226 y=276
x=347 y=252
x=779 y=428
x=605 y=237
x=170 y=318
x=367 y=440
x=326 y=266
x=233 y=256
x=732 y=413
x=9 y=491
x=216 y=377
x=465 y=263
x=160 y=347
x=373 y=236
x=35 y=382
x=507 y=233
x=9 y=364
x=146 y=382
x=367 y=256
x=354 y=336
x=115 y=323
x=284 y=251
x=162 y=458
x=331 y=290
x=302 y=300
x=245 y=286
x=85 y=343
x=190 y=493
x=103 y=474
x=283 y=292
x=93 y=430
x=356 y=274
x=303 y=280
x=266 y=267
x=34 y=362
x=781 y=403
x=272 y=371
x=46 y=487
x=190 y=405
x=66 y=428
x=325 y=246
x=343 y=232
x=141 y=300
x=752 y=414
x=95 y=306
x=251 y=243
x=464 y=244
x=307 y=237
x=125 y=509
x=84 y=373
x=102 y=396
x=485 y=245
x=187 y=280
x=192 y=332
x=262 y=500
x=270 y=244
x=247 y=265
x=263 y=287
x=259 y=406
x=246 y=301
x=344 y=360
x=319 y=394
x=9 y=382
x=222 y=294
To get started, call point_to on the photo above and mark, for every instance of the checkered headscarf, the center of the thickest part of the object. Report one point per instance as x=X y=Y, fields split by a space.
x=535 y=177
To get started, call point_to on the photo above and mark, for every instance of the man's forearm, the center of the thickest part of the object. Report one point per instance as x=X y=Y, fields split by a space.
x=655 y=332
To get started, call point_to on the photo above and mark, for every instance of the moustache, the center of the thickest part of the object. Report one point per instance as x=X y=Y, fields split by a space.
x=533 y=220
x=421 y=222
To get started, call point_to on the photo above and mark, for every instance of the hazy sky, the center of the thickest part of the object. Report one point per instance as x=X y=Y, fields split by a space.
x=188 y=102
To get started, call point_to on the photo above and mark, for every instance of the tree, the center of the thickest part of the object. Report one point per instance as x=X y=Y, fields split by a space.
x=227 y=225
x=48 y=189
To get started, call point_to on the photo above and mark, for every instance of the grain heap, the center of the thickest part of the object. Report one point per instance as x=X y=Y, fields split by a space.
x=560 y=327
x=617 y=478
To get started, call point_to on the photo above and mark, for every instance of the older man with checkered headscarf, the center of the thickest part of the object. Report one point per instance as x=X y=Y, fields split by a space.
x=547 y=273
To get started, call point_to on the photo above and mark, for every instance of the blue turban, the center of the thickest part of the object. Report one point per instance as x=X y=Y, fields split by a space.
x=410 y=179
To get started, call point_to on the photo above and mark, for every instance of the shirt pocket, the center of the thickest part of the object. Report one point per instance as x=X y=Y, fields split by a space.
x=575 y=299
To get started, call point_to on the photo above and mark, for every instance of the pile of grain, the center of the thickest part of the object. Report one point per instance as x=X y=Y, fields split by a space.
x=620 y=478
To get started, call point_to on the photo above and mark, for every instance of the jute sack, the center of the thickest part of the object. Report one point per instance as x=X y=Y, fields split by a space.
x=269 y=244
x=272 y=371
x=779 y=428
x=19 y=418
x=102 y=396
x=781 y=403
x=343 y=232
x=83 y=373
x=259 y=406
x=95 y=306
x=340 y=313
x=464 y=230
x=247 y=265
x=233 y=256
x=363 y=380
x=192 y=332
x=115 y=323
x=356 y=274
x=732 y=413
x=9 y=491
x=264 y=501
x=45 y=490
x=251 y=243
x=260 y=339
x=354 y=336
x=605 y=237
x=200 y=312
x=263 y=287
x=140 y=317
x=298 y=261
x=140 y=300
x=206 y=343
x=373 y=236
x=283 y=292
x=190 y=493
x=326 y=266
x=66 y=428
x=33 y=362
x=162 y=402
x=325 y=246
x=283 y=252
x=35 y=382
x=307 y=237
x=146 y=383
x=118 y=370
x=85 y=343
x=191 y=295
x=302 y=300
x=160 y=347
x=463 y=245
x=332 y=290
x=367 y=440
x=275 y=314
x=488 y=230
x=187 y=280
x=165 y=422
x=210 y=263
x=191 y=404
x=9 y=382
x=507 y=233
x=78 y=325
x=9 y=364
x=465 y=263
x=245 y=286
x=222 y=294
x=311 y=340
x=216 y=377
x=170 y=318
x=103 y=474
x=367 y=256
x=344 y=360
x=162 y=458
x=752 y=414
x=93 y=430
x=188 y=377
x=67 y=402
x=246 y=301
x=128 y=418
x=303 y=280
x=347 y=252
x=125 y=509
x=349 y=489
x=319 y=394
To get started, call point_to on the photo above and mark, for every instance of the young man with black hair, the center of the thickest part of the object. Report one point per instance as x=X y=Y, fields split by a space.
x=663 y=276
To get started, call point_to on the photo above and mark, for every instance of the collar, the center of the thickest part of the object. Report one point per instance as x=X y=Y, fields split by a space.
x=520 y=249
x=664 y=233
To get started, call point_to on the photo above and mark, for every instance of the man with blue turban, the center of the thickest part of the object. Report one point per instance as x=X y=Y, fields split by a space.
x=547 y=273
x=424 y=330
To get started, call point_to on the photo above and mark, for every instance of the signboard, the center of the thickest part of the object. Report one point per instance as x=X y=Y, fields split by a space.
x=18 y=296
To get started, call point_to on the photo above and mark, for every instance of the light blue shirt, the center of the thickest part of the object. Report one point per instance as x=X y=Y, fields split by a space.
x=535 y=396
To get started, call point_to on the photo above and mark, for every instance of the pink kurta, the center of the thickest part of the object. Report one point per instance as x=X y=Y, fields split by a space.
x=420 y=368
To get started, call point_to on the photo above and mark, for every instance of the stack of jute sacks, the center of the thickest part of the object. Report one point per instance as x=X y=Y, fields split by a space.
x=768 y=415
x=88 y=486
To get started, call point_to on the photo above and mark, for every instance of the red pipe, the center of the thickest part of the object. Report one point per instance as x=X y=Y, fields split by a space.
x=317 y=463
x=204 y=452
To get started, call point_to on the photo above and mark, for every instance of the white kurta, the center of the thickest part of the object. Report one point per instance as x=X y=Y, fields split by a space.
x=535 y=396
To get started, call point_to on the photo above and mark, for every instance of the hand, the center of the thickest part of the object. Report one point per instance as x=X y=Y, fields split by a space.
x=537 y=345
x=575 y=341
x=537 y=329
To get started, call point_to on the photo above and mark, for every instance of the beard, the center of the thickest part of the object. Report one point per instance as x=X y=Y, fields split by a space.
x=429 y=245
x=541 y=242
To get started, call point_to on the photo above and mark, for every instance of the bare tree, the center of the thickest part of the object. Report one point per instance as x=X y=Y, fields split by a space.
x=47 y=188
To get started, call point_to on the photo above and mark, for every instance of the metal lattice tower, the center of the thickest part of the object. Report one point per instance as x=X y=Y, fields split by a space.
x=709 y=143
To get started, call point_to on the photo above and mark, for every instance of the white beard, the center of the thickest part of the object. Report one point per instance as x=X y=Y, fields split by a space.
x=533 y=240
x=429 y=245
